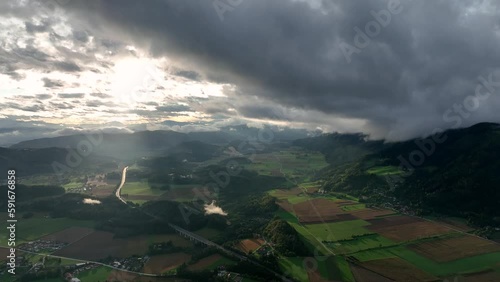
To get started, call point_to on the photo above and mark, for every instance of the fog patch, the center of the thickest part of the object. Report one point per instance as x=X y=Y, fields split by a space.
x=213 y=209
x=91 y=201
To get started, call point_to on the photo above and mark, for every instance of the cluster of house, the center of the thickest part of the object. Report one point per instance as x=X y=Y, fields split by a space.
x=131 y=263
x=74 y=269
x=265 y=250
x=229 y=276
x=42 y=245
x=80 y=190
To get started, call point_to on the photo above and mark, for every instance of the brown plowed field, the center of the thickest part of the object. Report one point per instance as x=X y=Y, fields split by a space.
x=315 y=210
x=445 y=250
x=205 y=262
x=398 y=270
x=410 y=231
x=487 y=276
x=371 y=213
x=69 y=235
x=249 y=245
x=364 y=275
x=162 y=263
x=393 y=220
x=100 y=244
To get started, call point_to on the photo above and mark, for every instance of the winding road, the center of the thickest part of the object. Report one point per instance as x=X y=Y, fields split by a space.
x=196 y=236
x=118 y=190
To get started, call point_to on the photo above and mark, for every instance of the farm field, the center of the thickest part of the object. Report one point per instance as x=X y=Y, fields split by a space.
x=210 y=262
x=360 y=243
x=398 y=270
x=444 y=250
x=465 y=265
x=163 y=263
x=411 y=231
x=295 y=164
x=384 y=170
x=375 y=241
x=38 y=226
x=294 y=266
x=69 y=235
x=140 y=188
x=336 y=231
x=97 y=274
x=100 y=244
x=364 y=275
x=249 y=245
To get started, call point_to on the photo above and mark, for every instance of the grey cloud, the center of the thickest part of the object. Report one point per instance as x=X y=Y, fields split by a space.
x=81 y=36
x=49 y=83
x=71 y=95
x=173 y=108
x=67 y=66
x=32 y=28
x=101 y=95
x=192 y=75
x=426 y=59
x=61 y=106
x=32 y=53
x=43 y=96
x=27 y=108
x=98 y=103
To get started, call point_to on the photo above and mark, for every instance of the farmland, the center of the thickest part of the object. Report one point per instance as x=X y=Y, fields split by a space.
x=39 y=225
x=164 y=263
x=449 y=249
x=210 y=262
x=100 y=244
x=294 y=164
x=375 y=241
x=249 y=245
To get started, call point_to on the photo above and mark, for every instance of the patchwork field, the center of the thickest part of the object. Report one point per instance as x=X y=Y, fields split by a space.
x=249 y=245
x=293 y=163
x=210 y=262
x=163 y=263
x=364 y=275
x=410 y=231
x=398 y=270
x=100 y=244
x=377 y=241
x=69 y=235
x=449 y=249
x=38 y=226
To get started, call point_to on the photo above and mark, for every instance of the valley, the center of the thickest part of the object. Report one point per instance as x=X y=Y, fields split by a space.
x=284 y=211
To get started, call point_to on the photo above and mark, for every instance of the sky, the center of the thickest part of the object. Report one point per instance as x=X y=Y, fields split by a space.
x=390 y=69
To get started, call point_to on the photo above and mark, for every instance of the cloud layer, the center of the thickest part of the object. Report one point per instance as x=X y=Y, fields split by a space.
x=408 y=63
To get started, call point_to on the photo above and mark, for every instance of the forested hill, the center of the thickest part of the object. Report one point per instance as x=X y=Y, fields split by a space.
x=454 y=173
x=341 y=148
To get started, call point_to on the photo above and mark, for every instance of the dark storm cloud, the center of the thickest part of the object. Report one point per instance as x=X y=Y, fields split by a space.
x=262 y=112
x=81 y=36
x=30 y=53
x=192 y=75
x=33 y=28
x=425 y=59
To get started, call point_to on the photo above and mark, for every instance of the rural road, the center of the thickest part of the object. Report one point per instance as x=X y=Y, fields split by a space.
x=89 y=261
x=118 y=190
x=196 y=236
